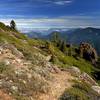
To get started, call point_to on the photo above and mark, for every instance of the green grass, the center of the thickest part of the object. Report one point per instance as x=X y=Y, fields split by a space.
x=25 y=45
x=63 y=60
x=4 y=68
x=79 y=91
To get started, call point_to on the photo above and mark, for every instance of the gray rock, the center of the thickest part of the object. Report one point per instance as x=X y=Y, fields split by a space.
x=12 y=49
x=86 y=78
x=96 y=89
x=74 y=70
x=14 y=88
x=48 y=58
x=6 y=62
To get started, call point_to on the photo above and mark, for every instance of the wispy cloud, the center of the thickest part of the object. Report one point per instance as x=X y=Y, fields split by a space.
x=63 y=2
x=32 y=3
x=57 y=22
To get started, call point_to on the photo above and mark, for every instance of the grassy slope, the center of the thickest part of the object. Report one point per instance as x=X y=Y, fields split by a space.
x=25 y=45
x=79 y=91
x=65 y=61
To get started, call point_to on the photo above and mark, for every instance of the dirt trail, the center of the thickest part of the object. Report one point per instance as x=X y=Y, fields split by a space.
x=58 y=85
x=4 y=96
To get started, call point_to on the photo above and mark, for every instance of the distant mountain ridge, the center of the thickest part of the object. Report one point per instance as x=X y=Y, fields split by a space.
x=91 y=35
x=74 y=36
x=34 y=34
x=44 y=34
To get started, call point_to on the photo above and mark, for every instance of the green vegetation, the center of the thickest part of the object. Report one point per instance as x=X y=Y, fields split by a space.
x=13 y=25
x=79 y=91
x=8 y=28
x=55 y=38
x=3 y=27
x=3 y=67
x=61 y=57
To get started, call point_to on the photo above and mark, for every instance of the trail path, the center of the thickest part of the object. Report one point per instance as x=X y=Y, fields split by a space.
x=58 y=85
x=4 y=96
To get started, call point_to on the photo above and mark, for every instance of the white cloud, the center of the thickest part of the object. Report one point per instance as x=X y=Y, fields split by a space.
x=62 y=2
x=57 y=22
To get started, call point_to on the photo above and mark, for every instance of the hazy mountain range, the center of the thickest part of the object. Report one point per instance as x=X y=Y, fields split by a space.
x=74 y=36
x=91 y=35
x=43 y=33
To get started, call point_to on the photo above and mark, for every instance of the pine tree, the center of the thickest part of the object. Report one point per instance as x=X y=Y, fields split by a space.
x=55 y=38
x=13 y=24
x=63 y=47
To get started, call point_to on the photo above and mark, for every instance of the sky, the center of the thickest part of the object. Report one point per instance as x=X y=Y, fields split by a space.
x=45 y=14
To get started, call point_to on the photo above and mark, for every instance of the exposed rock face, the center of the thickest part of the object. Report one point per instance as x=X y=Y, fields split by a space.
x=96 y=89
x=74 y=71
x=9 y=55
x=86 y=78
x=4 y=48
x=88 y=52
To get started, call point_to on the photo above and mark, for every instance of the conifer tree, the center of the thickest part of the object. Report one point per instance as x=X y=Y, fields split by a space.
x=13 y=24
x=55 y=38
x=63 y=47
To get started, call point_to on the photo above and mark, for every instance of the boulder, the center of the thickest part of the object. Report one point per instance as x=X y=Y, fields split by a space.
x=96 y=89
x=52 y=68
x=86 y=78
x=14 y=88
x=56 y=69
x=6 y=62
x=74 y=71
x=1 y=49
x=48 y=58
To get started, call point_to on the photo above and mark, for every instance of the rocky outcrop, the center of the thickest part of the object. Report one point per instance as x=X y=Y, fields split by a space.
x=5 y=48
x=10 y=56
x=86 y=78
x=82 y=75
x=96 y=89
x=74 y=70
x=88 y=52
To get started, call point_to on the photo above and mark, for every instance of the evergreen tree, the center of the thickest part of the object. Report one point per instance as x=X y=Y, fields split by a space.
x=55 y=37
x=13 y=24
x=69 y=47
x=69 y=51
x=63 y=47
x=60 y=44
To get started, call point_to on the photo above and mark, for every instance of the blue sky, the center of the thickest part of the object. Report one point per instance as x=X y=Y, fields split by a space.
x=30 y=14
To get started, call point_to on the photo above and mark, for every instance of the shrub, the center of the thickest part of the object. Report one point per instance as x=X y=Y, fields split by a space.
x=3 y=67
x=79 y=91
